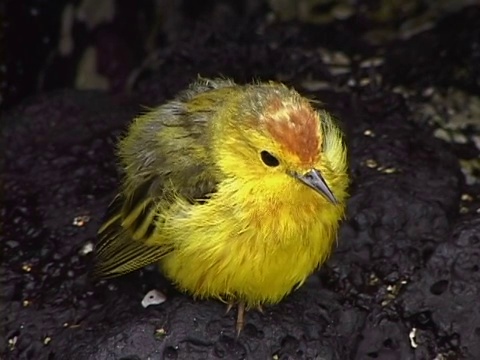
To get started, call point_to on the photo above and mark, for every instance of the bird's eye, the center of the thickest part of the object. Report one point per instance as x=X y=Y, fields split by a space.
x=269 y=159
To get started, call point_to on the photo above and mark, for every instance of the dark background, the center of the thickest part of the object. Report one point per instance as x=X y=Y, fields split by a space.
x=402 y=77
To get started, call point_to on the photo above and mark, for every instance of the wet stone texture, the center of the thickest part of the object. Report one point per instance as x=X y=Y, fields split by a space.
x=404 y=279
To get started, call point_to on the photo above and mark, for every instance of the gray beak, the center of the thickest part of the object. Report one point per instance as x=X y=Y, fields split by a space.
x=314 y=180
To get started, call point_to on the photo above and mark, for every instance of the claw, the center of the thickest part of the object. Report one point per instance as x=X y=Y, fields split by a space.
x=229 y=307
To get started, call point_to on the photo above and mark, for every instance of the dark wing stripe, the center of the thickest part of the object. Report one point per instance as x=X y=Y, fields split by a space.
x=130 y=221
x=114 y=207
x=151 y=228
x=139 y=225
x=138 y=196
x=133 y=220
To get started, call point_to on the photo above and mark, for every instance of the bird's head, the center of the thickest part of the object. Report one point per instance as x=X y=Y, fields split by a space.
x=280 y=144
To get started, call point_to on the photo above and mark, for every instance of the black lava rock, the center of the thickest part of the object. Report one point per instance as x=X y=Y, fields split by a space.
x=401 y=284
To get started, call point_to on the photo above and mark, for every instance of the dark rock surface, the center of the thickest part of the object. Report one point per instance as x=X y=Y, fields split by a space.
x=403 y=282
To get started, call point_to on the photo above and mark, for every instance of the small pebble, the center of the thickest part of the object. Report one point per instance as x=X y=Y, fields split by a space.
x=369 y=132
x=153 y=297
x=411 y=336
x=371 y=163
x=80 y=220
x=86 y=249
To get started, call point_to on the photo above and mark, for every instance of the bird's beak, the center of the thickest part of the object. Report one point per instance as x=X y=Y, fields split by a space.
x=313 y=178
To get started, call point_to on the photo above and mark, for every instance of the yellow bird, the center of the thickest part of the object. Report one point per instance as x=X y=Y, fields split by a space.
x=236 y=191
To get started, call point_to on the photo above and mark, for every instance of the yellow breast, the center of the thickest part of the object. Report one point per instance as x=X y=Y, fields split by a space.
x=257 y=256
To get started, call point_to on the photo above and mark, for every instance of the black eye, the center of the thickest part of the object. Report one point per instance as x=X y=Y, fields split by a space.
x=269 y=159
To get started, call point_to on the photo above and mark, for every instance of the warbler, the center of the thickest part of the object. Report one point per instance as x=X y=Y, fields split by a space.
x=236 y=191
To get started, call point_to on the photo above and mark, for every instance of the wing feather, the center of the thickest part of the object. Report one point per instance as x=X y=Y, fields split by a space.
x=153 y=179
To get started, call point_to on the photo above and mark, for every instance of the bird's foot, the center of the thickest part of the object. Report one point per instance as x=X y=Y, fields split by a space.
x=240 y=323
x=241 y=310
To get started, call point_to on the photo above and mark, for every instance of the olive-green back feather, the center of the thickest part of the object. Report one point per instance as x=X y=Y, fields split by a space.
x=165 y=156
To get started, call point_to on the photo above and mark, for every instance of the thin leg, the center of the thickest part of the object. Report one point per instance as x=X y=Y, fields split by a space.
x=260 y=309
x=240 y=317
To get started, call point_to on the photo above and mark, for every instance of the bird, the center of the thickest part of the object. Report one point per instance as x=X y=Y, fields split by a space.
x=236 y=191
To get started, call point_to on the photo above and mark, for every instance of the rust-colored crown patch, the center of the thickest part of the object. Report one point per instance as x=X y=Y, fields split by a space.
x=296 y=127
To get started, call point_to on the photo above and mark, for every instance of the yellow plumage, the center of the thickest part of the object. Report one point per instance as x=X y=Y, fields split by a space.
x=236 y=191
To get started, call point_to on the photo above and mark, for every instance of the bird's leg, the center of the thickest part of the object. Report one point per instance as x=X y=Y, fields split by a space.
x=240 y=317
x=241 y=309
x=260 y=309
